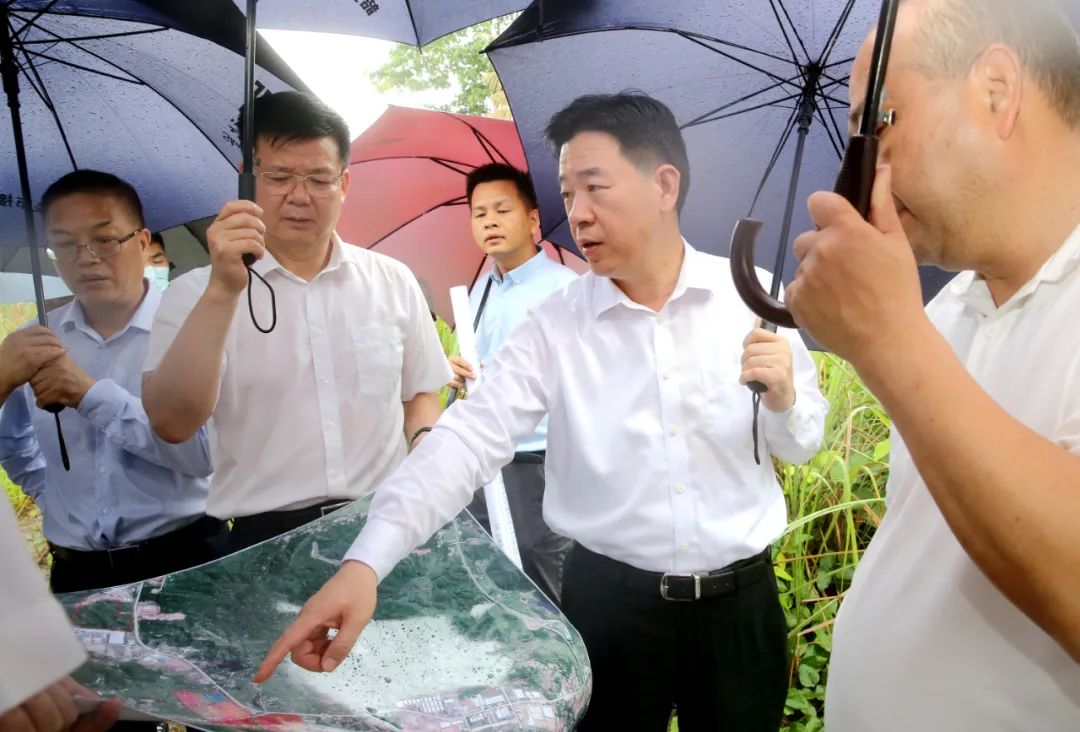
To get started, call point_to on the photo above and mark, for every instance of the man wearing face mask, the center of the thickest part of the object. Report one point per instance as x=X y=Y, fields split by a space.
x=313 y=414
x=132 y=506
x=158 y=265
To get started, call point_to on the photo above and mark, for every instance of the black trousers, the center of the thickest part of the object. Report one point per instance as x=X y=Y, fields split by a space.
x=251 y=530
x=189 y=546
x=543 y=552
x=722 y=661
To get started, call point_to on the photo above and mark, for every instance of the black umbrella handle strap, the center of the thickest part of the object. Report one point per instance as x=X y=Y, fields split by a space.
x=251 y=305
x=483 y=303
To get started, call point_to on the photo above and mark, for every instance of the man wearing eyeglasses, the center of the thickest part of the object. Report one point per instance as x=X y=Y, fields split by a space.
x=132 y=506
x=320 y=409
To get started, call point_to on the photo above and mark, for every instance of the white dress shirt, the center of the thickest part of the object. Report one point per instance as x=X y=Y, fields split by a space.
x=650 y=451
x=37 y=641
x=923 y=640
x=313 y=410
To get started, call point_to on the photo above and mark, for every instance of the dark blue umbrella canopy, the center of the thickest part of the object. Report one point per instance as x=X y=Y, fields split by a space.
x=732 y=71
x=122 y=87
x=417 y=22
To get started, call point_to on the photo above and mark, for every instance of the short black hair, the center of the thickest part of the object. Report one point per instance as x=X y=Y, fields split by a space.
x=96 y=182
x=289 y=116
x=644 y=127
x=157 y=238
x=501 y=171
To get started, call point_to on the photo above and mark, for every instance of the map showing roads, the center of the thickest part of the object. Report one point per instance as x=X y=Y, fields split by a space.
x=461 y=640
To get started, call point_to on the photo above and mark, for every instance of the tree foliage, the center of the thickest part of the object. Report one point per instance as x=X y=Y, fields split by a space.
x=455 y=62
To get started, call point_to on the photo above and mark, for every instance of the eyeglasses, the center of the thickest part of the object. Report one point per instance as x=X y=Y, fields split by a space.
x=101 y=247
x=319 y=185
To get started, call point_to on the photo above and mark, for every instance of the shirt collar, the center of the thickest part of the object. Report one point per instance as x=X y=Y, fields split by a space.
x=694 y=275
x=73 y=315
x=338 y=256
x=521 y=273
x=970 y=288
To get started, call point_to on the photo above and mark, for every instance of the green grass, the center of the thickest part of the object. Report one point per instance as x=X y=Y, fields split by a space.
x=834 y=502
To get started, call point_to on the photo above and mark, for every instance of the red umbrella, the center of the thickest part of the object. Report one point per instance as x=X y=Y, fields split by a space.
x=407 y=196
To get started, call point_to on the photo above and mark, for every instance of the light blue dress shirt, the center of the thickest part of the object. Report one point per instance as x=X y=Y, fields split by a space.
x=126 y=485
x=508 y=303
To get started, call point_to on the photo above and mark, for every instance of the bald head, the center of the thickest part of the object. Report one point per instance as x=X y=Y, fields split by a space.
x=944 y=38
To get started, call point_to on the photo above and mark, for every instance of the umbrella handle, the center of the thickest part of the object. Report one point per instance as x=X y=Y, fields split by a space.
x=855 y=183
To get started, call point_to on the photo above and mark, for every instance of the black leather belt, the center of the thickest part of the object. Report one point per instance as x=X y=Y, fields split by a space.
x=296 y=517
x=694 y=586
x=125 y=556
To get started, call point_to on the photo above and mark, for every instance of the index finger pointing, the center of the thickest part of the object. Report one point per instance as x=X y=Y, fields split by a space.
x=300 y=631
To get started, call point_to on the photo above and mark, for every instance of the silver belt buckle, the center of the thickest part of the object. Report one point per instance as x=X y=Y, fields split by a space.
x=697 y=586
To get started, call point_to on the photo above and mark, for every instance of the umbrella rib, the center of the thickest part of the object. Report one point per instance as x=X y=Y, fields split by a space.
x=787 y=38
x=449 y=165
x=748 y=109
x=836 y=125
x=729 y=105
x=412 y=21
x=485 y=143
x=842 y=61
x=794 y=29
x=780 y=145
x=98 y=37
x=830 y=45
x=170 y=102
x=837 y=141
x=32 y=21
x=734 y=58
x=45 y=97
x=27 y=52
x=459 y=201
x=690 y=35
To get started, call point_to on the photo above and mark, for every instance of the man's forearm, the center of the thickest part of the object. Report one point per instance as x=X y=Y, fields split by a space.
x=1008 y=494
x=423 y=410
x=180 y=394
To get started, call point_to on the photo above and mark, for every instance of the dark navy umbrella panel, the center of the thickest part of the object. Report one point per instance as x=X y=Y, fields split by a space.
x=416 y=22
x=155 y=105
x=731 y=72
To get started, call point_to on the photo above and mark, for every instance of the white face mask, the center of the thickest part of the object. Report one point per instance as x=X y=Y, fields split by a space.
x=158 y=276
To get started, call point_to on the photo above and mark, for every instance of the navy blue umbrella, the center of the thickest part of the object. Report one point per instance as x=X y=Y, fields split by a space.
x=416 y=22
x=123 y=87
x=759 y=89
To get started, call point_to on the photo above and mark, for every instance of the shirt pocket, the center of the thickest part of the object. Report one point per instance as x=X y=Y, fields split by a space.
x=378 y=353
x=728 y=408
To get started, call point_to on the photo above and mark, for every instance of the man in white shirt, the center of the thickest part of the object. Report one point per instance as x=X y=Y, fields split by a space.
x=39 y=646
x=640 y=365
x=321 y=409
x=965 y=611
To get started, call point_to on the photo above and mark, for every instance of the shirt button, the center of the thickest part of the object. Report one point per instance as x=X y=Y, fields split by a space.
x=680 y=488
x=324 y=380
x=101 y=469
x=992 y=331
x=673 y=431
x=104 y=511
x=666 y=376
x=685 y=547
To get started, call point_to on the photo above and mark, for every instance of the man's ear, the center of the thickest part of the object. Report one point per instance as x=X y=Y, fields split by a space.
x=998 y=79
x=669 y=180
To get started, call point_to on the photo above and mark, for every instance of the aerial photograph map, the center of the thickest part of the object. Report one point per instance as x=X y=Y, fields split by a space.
x=461 y=640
